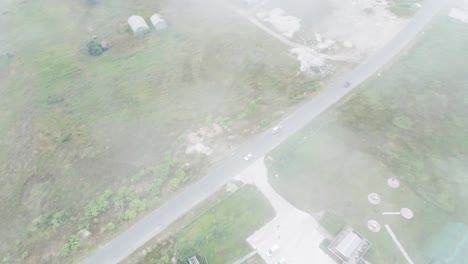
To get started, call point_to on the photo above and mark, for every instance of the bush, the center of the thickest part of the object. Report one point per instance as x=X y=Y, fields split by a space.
x=109 y=227
x=124 y=196
x=179 y=177
x=99 y=205
x=138 y=204
x=49 y=221
x=72 y=244
x=95 y=48
x=128 y=215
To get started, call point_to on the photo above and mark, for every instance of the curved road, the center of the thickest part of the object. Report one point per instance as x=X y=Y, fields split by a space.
x=133 y=238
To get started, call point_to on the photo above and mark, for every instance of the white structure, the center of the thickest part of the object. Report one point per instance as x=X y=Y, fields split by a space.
x=394 y=183
x=349 y=246
x=158 y=22
x=373 y=226
x=373 y=198
x=138 y=25
x=193 y=260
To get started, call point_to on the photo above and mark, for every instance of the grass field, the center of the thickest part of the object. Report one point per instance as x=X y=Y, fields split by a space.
x=403 y=8
x=410 y=123
x=93 y=142
x=219 y=234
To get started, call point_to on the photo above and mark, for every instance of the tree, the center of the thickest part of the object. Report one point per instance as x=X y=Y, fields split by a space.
x=95 y=48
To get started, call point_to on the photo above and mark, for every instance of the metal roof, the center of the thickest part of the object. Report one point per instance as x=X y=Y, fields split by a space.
x=193 y=260
x=349 y=244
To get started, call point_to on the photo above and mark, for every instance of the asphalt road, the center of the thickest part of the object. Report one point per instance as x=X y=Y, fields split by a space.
x=133 y=238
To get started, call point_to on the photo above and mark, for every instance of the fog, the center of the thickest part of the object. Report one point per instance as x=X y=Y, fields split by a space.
x=233 y=126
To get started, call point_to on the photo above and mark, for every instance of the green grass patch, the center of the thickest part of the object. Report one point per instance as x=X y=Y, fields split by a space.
x=219 y=234
x=403 y=8
x=332 y=222
x=92 y=123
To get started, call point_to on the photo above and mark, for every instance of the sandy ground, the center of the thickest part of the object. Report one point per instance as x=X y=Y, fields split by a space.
x=351 y=30
x=294 y=231
x=366 y=30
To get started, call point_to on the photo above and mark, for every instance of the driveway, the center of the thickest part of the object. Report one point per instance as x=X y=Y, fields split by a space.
x=294 y=231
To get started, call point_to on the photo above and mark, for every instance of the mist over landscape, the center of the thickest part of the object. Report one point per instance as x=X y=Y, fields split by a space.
x=234 y=131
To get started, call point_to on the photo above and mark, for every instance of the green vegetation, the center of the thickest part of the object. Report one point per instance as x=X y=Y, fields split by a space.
x=218 y=234
x=49 y=221
x=95 y=48
x=92 y=125
x=410 y=123
x=73 y=243
x=403 y=8
x=98 y=205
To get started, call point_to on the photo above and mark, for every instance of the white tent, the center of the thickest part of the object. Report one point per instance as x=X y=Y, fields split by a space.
x=158 y=22
x=138 y=25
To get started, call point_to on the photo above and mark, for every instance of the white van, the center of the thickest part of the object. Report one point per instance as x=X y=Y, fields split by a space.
x=270 y=252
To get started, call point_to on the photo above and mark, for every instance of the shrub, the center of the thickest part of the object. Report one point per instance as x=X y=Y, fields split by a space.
x=128 y=215
x=98 y=205
x=95 y=48
x=179 y=177
x=49 y=221
x=73 y=243
x=124 y=196
x=138 y=204
x=109 y=227
x=155 y=186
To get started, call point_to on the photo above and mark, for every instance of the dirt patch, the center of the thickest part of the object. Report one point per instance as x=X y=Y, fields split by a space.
x=365 y=25
x=36 y=191
x=286 y=25
x=349 y=28
x=197 y=141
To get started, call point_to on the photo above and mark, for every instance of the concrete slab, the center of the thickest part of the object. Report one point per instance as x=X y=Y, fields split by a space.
x=294 y=231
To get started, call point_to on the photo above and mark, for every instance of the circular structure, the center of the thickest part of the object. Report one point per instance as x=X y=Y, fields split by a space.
x=406 y=213
x=373 y=198
x=373 y=226
x=393 y=182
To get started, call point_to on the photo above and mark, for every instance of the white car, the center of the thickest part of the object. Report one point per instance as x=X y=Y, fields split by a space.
x=281 y=261
x=248 y=157
x=270 y=252
x=276 y=129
